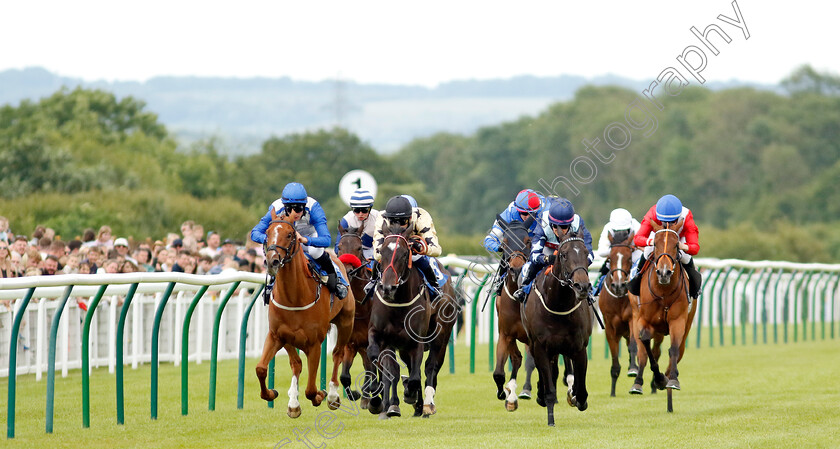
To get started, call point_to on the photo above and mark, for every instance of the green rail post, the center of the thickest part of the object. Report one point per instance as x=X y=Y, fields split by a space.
x=775 y=306
x=153 y=401
x=492 y=334
x=86 y=356
x=796 y=310
x=271 y=379
x=10 y=420
x=452 y=353
x=323 y=364
x=243 y=335
x=185 y=349
x=786 y=307
x=712 y=307
x=831 y=305
x=755 y=305
x=214 y=345
x=474 y=322
x=51 y=358
x=745 y=314
x=720 y=303
x=811 y=302
x=120 y=339
x=733 y=301
x=823 y=303
x=821 y=307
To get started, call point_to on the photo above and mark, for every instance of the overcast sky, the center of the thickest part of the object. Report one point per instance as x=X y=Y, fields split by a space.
x=422 y=42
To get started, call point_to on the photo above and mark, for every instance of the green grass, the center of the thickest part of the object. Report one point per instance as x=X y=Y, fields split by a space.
x=733 y=396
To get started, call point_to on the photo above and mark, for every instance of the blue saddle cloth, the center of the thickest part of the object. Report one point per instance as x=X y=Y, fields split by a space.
x=313 y=263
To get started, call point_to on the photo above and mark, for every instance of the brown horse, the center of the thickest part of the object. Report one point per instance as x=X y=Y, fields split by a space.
x=516 y=244
x=558 y=321
x=350 y=247
x=299 y=316
x=615 y=305
x=663 y=307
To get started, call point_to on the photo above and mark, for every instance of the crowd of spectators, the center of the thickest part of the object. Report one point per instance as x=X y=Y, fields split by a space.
x=191 y=251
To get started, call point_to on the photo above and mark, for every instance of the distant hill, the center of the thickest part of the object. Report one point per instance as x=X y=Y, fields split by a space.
x=246 y=112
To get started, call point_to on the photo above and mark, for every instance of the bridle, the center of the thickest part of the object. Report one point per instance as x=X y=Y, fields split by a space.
x=354 y=272
x=565 y=278
x=626 y=273
x=391 y=266
x=678 y=271
x=665 y=254
x=290 y=254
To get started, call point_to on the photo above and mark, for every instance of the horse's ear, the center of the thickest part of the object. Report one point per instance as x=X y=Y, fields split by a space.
x=610 y=237
x=656 y=227
x=341 y=230
x=273 y=213
x=680 y=223
x=502 y=223
x=360 y=230
x=631 y=236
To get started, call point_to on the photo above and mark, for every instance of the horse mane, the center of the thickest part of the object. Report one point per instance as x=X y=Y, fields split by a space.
x=393 y=229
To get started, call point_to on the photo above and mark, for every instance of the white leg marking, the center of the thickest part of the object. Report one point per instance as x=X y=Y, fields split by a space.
x=293 y=393
x=332 y=395
x=429 y=394
x=511 y=391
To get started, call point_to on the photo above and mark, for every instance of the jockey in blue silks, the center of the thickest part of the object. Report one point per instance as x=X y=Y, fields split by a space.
x=557 y=221
x=311 y=225
x=527 y=204
x=362 y=215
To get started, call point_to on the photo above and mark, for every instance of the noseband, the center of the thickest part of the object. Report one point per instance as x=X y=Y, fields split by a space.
x=566 y=278
x=288 y=249
x=664 y=254
x=391 y=266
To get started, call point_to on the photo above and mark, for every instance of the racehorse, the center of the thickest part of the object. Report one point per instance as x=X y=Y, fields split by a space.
x=516 y=245
x=404 y=320
x=558 y=321
x=615 y=305
x=663 y=307
x=299 y=316
x=351 y=254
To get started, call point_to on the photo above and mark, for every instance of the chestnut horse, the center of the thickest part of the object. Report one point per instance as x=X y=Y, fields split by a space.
x=299 y=316
x=615 y=305
x=351 y=254
x=404 y=320
x=516 y=245
x=558 y=321
x=663 y=307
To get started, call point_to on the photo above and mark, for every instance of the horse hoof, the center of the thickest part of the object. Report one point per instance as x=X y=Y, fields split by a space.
x=637 y=389
x=429 y=410
x=525 y=394
x=394 y=411
x=354 y=395
x=540 y=401
x=272 y=395
x=511 y=406
x=334 y=405
x=319 y=398
x=632 y=372
x=375 y=405
x=384 y=416
x=364 y=403
x=570 y=399
x=582 y=407
x=673 y=384
x=501 y=395
x=293 y=412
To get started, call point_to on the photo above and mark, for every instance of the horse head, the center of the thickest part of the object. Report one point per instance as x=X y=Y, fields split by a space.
x=666 y=243
x=395 y=258
x=351 y=242
x=516 y=243
x=572 y=264
x=281 y=243
x=621 y=254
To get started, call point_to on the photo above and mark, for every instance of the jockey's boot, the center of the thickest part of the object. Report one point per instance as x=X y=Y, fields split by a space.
x=371 y=285
x=267 y=290
x=424 y=264
x=335 y=287
x=533 y=268
x=635 y=283
x=695 y=279
x=499 y=280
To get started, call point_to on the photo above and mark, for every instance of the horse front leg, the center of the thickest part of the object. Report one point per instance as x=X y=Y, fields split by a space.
x=645 y=335
x=580 y=395
x=529 y=370
x=638 y=384
x=501 y=357
x=293 y=408
x=374 y=389
x=612 y=341
x=270 y=347
x=512 y=401
x=313 y=359
x=546 y=392
x=675 y=352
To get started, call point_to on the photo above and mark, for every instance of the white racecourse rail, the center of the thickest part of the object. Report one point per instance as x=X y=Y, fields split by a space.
x=736 y=288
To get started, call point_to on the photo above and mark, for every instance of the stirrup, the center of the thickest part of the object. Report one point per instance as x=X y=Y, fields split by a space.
x=519 y=295
x=340 y=291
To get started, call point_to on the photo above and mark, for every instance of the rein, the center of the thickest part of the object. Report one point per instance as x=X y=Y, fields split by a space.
x=352 y=273
x=678 y=271
x=274 y=247
x=391 y=266
x=566 y=281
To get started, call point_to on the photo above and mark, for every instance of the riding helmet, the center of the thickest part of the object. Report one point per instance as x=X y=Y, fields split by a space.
x=294 y=193
x=361 y=198
x=397 y=207
x=410 y=200
x=562 y=212
x=668 y=208
x=527 y=201
x=620 y=219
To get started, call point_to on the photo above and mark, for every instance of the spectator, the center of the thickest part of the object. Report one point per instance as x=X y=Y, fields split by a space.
x=177 y=245
x=103 y=238
x=126 y=266
x=19 y=246
x=121 y=245
x=37 y=234
x=59 y=250
x=44 y=246
x=7 y=267
x=49 y=266
x=84 y=267
x=94 y=257
x=72 y=264
x=143 y=256
x=185 y=263
x=161 y=259
x=5 y=234
x=49 y=233
x=205 y=264
x=229 y=249
x=110 y=266
x=32 y=259
x=89 y=237
x=73 y=246
x=213 y=242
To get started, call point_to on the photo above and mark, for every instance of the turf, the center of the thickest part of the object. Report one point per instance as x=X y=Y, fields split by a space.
x=764 y=396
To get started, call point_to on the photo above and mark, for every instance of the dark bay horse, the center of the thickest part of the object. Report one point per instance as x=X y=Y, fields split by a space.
x=558 y=321
x=615 y=304
x=405 y=321
x=516 y=245
x=299 y=316
x=351 y=254
x=663 y=307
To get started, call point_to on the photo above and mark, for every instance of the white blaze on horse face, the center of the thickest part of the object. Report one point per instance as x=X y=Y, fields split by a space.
x=618 y=264
x=392 y=246
x=293 y=393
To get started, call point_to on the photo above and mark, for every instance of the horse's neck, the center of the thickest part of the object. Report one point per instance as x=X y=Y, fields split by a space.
x=552 y=286
x=295 y=274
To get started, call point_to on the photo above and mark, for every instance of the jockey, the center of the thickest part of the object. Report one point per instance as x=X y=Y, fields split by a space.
x=559 y=220
x=311 y=225
x=620 y=220
x=362 y=216
x=526 y=204
x=669 y=209
x=423 y=238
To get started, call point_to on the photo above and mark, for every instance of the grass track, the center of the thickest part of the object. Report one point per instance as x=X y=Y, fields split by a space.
x=773 y=396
